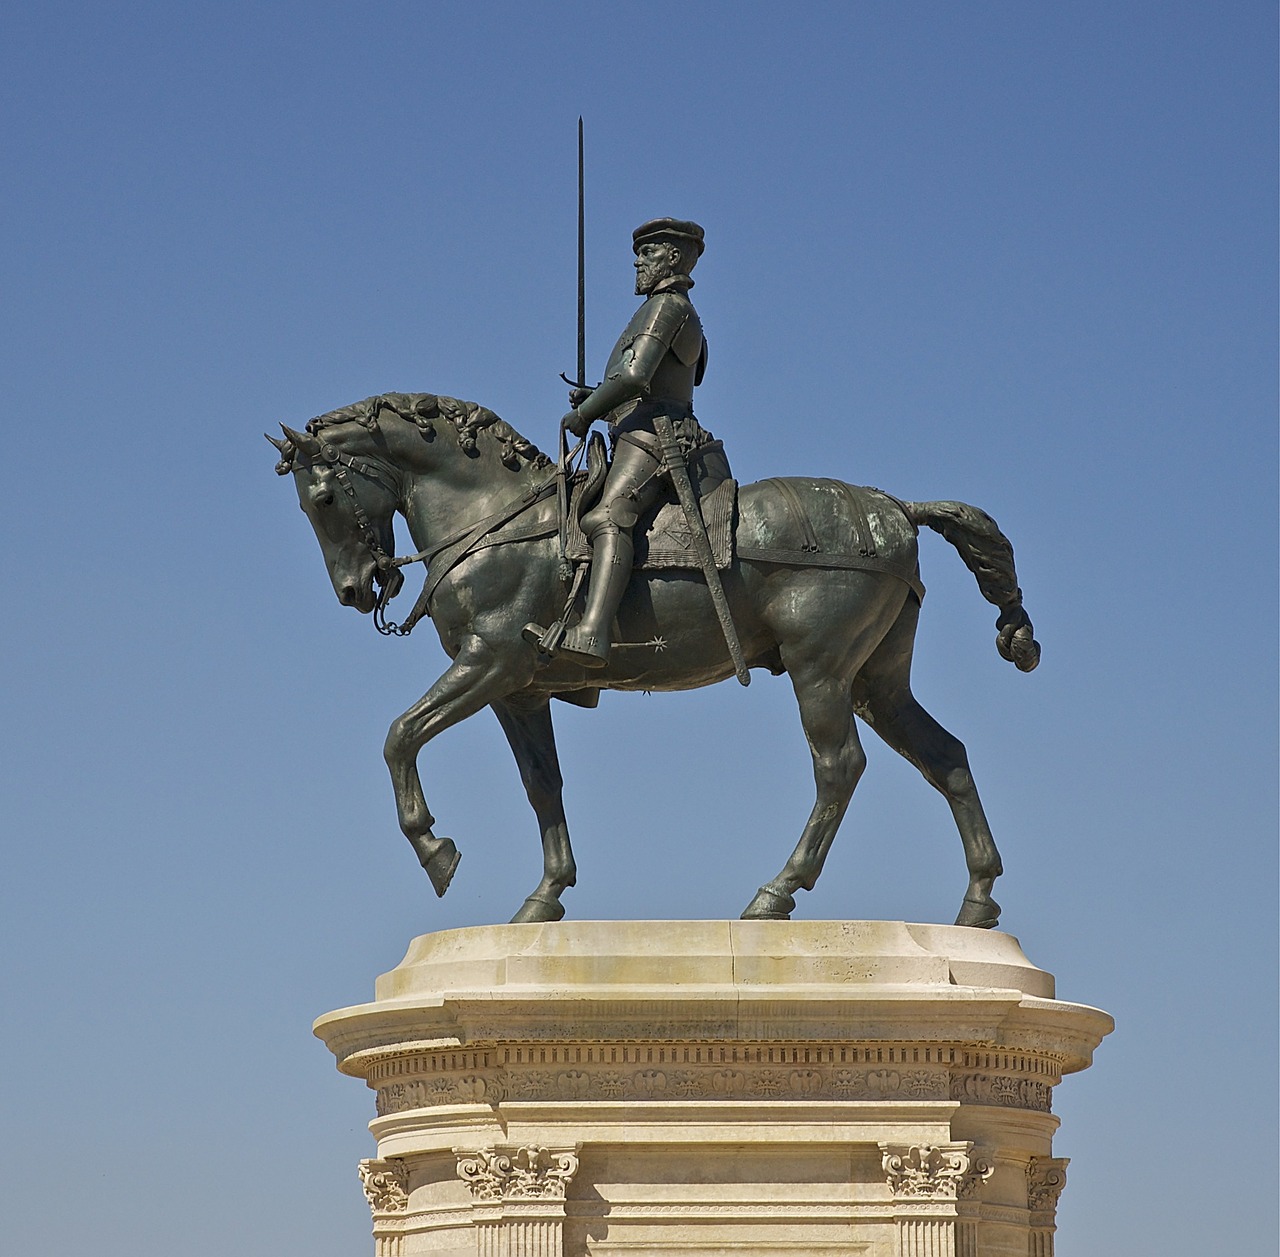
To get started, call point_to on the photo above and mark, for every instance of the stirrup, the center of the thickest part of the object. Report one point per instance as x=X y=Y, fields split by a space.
x=547 y=640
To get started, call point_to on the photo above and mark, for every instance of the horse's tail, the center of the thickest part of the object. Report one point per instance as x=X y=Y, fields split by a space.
x=987 y=553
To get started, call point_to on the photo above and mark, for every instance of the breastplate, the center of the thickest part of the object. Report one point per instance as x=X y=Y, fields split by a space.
x=672 y=382
x=670 y=319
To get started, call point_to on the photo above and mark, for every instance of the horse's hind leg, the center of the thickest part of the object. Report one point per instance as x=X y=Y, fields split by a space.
x=941 y=758
x=882 y=697
x=838 y=760
x=533 y=742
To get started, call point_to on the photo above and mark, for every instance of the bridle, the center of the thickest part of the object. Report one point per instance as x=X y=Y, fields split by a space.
x=451 y=549
x=388 y=575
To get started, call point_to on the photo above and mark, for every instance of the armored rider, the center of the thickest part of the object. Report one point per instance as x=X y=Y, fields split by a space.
x=652 y=370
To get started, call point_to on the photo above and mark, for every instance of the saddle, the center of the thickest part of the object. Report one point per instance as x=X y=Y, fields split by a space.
x=663 y=537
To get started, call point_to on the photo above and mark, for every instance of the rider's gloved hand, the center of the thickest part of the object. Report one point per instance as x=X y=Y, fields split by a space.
x=576 y=423
x=579 y=395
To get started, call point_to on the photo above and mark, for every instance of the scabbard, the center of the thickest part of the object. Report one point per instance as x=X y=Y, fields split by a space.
x=678 y=470
x=562 y=492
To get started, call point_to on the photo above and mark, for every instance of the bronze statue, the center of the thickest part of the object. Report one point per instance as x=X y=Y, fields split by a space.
x=819 y=577
x=647 y=396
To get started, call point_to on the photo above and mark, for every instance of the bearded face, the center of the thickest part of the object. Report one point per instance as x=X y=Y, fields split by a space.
x=656 y=260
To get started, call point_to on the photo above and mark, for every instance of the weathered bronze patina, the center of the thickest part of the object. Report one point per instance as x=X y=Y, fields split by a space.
x=821 y=583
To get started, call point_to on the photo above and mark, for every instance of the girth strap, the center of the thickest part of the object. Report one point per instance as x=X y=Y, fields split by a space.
x=838 y=562
x=443 y=557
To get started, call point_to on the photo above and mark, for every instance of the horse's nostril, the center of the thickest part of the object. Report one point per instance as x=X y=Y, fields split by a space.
x=347 y=595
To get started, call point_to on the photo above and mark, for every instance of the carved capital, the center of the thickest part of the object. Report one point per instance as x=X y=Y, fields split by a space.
x=952 y=1171
x=1046 y=1177
x=525 y=1173
x=386 y=1185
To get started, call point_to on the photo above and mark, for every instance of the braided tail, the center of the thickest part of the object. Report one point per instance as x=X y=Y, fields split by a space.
x=987 y=553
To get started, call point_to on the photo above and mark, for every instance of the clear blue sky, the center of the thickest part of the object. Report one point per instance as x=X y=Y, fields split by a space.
x=1021 y=255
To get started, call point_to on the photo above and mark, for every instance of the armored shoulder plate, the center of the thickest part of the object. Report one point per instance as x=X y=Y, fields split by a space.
x=670 y=318
x=689 y=341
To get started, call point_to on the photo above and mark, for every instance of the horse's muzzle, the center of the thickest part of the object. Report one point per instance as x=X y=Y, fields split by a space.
x=361 y=596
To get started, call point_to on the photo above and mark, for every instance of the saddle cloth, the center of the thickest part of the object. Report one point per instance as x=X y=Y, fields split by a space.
x=663 y=537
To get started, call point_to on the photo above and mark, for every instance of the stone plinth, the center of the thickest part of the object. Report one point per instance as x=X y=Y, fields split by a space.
x=714 y=1088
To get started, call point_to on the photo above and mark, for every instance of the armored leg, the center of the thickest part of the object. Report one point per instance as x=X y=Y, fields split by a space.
x=612 y=553
x=633 y=486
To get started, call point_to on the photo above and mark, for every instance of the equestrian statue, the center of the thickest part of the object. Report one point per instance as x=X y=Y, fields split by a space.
x=689 y=579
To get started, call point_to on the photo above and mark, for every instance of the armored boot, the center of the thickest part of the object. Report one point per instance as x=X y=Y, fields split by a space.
x=612 y=553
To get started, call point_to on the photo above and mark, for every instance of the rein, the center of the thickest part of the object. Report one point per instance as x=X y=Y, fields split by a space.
x=459 y=542
x=389 y=578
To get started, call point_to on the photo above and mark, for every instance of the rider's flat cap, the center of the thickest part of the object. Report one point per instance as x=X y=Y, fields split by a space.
x=657 y=228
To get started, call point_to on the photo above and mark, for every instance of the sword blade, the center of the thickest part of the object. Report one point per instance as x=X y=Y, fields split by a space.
x=582 y=265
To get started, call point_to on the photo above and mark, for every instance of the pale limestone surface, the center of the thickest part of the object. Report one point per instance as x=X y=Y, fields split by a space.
x=714 y=1087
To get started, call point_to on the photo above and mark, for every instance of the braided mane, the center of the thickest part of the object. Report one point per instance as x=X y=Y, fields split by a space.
x=466 y=420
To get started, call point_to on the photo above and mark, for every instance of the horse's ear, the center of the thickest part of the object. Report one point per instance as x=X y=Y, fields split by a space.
x=280 y=444
x=303 y=442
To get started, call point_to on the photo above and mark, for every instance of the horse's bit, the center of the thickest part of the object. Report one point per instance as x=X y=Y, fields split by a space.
x=388 y=575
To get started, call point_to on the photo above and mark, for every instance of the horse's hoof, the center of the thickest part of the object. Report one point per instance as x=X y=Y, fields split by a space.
x=769 y=905
x=442 y=864
x=538 y=908
x=979 y=914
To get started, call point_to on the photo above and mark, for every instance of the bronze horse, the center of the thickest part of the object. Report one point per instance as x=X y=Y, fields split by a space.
x=824 y=586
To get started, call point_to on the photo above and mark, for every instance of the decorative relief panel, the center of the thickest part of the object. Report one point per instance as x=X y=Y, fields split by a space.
x=952 y=1171
x=707 y=1080
x=662 y=1054
x=1005 y=1090
x=386 y=1185
x=530 y=1172
x=709 y=1071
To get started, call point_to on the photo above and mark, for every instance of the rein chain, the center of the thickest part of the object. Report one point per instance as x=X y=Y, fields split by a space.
x=389 y=578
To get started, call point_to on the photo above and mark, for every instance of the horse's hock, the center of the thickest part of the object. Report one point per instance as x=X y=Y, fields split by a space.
x=714 y=1088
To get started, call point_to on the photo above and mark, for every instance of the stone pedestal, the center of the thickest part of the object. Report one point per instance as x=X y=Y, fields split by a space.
x=714 y=1088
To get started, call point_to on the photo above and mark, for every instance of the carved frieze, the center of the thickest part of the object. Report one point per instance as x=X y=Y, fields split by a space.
x=386 y=1185
x=529 y=1172
x=594 y=1071
x=1004 y=1090
x=772 y=1079
x=951 y=1171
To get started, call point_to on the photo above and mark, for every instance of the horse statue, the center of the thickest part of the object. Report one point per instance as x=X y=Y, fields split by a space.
x=823 y=584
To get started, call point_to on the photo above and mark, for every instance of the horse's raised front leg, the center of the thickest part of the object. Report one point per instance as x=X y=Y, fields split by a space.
x=882 y=696
x=533 y=742
x=826 y=712
x=478 y=676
